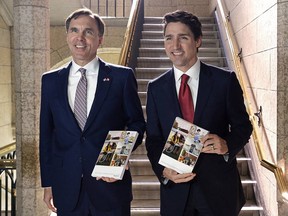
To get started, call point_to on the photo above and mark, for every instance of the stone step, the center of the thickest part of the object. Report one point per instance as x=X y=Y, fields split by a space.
x=143 y=97
x=142 y=84
x=148 y=208
x=139 y=164
x=149 y=73
x=159 y=34
x=159 y=20
x=164 y=62
x=159 y=43
x=159 y=27
x=160 y=52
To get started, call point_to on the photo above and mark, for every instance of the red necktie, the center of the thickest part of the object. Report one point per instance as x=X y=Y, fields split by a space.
x=185 y=99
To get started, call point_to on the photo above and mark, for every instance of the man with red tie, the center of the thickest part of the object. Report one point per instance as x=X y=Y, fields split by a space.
x=211 y=98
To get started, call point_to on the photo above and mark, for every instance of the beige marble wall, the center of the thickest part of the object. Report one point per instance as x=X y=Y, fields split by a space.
x=160 y=7
x=260 y=29
x=6 y=135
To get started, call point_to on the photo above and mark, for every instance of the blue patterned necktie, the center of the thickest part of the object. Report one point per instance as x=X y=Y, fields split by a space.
x=80 y=104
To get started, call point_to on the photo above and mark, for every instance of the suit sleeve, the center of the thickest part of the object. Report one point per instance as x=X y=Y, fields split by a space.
x=46 y=135
x=154 y=138
x=133 y=108
x=240 y=125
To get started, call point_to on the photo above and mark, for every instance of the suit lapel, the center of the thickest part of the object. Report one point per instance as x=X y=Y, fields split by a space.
x=103 y=84
x=63 y=75
x=170 y=94
x=204 y=91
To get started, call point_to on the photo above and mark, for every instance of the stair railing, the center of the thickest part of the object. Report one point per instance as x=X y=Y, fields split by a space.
x=130 y=47
x=107 y=8
x=8 y=179
x=280 y=177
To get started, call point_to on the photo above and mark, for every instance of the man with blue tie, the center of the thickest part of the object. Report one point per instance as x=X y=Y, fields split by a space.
x=80 y=103
x=211 y=98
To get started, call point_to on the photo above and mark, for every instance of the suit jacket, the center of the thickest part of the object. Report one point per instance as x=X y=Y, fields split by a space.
x=220 y=109
x=68 y=155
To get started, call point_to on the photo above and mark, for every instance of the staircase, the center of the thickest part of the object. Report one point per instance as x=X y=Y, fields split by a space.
x=152 y=62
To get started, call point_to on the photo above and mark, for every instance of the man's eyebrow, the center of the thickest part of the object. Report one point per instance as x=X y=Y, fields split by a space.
x=183 y=34
x=88 y=29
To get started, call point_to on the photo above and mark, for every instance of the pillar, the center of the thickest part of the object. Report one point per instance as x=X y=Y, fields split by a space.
x=31 y=59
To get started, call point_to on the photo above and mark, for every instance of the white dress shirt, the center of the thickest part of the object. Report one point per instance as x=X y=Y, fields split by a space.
x=193 y=82
x=92 y=71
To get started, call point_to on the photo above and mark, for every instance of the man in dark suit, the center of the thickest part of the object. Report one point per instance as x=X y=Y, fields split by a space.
x=214 y=188
x=69 y=144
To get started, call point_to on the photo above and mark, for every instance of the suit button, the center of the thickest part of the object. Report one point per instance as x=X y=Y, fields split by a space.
x=80 y=159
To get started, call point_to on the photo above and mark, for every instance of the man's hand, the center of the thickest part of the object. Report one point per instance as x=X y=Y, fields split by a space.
x=213 y=144
x=107 y=179
x=110 y=180
x=48 y=199
x=176 y=177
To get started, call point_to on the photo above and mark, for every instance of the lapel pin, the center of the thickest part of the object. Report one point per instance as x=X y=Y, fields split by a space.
x=106 y=79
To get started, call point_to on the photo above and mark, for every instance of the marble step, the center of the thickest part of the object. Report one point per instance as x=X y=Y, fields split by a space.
x=140 y=165
x=160 y=52
x=159 y=43
x=159 y=20
x=147 y=208
x=159 y=27
x=149 y=73
x=142 y=84
x=164 y=62
x=159 y=34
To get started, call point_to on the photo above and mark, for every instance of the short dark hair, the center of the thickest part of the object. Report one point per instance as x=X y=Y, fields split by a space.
x=86 y=12
x=186 y=18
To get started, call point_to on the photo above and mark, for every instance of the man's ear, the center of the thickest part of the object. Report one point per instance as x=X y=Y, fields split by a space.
x=101 y=41
x=199 y=42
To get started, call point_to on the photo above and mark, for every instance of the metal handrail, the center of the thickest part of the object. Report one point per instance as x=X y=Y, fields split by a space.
x=8 y=179
x=7 y=149
x=279 y=175
x=131 y=26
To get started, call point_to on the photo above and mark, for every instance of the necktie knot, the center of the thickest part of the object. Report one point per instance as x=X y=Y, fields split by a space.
x=184 y=79
x=82 y=71
x=185 y=99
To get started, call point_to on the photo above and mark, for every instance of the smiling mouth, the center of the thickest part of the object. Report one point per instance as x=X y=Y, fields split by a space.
x=177 y=53
x=80 y=46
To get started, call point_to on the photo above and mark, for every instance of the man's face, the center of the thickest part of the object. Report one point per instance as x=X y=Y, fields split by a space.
x=180 y=45
x=83 y=39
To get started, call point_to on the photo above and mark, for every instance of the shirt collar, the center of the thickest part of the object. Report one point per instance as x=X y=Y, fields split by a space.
x=91 y=68
x=193 y=72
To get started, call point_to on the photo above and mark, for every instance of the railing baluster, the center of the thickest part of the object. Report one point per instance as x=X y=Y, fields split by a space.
x=6 y=193
x=107 y=5
x=7 y=178
x=115 y=6
x=1 y=193
x=105 y=11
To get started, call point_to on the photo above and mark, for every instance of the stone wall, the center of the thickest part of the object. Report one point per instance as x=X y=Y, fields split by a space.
x=260 y=30
x=6 y=135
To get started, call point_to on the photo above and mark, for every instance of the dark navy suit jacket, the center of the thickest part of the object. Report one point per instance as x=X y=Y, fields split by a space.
x=68 y=155
x=220 y=109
